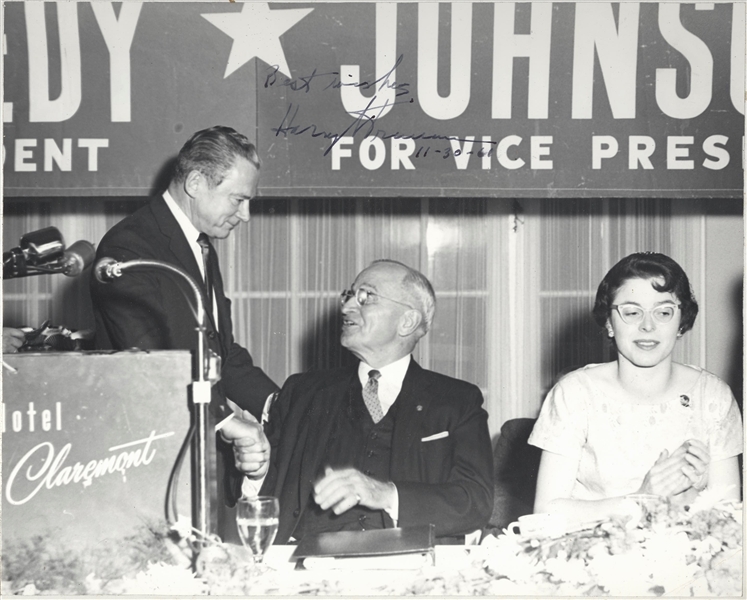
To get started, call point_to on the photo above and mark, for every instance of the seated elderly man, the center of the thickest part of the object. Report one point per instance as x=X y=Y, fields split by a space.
x=383 y=444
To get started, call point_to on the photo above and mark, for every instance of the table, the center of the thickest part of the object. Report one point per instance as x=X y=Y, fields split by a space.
x=671 y=551
x=456 y=568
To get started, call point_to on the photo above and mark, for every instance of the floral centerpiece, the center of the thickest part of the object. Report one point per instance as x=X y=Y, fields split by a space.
x=671 y=549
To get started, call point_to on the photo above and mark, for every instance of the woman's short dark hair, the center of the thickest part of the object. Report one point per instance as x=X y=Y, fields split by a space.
x=213 y=152
x=647 y=265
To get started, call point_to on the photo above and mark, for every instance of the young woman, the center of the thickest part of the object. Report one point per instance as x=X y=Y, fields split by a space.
x=642 y=424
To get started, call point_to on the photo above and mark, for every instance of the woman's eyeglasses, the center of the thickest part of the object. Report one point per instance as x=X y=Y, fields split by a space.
x=633 y=314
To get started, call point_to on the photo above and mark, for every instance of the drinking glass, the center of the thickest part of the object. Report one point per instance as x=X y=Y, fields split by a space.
x=257 y=520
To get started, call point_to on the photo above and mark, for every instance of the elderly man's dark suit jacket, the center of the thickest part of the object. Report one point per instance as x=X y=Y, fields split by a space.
x=151 y=309
x=445 y=481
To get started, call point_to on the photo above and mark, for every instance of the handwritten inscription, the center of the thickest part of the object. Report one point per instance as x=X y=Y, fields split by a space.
x=330 y=80
x=403 y=145
x=364 y=120
x=510 y=152
x=361 y=128
x=362 y=125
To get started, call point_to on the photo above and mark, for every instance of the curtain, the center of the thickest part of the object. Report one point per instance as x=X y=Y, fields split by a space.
x=515 y=280
x=286 y=270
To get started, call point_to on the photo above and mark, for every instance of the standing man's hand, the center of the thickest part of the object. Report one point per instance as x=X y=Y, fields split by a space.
x=251 y=449
x=12 y=340
x=342 y=489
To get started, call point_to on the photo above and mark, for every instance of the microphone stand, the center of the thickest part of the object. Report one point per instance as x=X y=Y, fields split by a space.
x=200 y=390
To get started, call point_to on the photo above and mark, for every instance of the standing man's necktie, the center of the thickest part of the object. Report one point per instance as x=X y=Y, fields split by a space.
x=371 y=396
x=206 y=249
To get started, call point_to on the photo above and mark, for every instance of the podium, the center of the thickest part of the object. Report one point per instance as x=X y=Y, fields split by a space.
x=89 y=442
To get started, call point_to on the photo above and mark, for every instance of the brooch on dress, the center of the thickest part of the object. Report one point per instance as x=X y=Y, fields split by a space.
x=685 y=400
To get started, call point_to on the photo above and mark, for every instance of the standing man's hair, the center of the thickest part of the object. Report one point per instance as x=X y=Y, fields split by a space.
x=212 y=152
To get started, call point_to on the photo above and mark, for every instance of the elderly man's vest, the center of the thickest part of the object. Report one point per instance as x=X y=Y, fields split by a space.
x=358 y=443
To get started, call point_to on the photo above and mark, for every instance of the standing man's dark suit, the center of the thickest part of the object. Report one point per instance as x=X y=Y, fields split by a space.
x=215 y=176
x=151 y=309
x=446 y=481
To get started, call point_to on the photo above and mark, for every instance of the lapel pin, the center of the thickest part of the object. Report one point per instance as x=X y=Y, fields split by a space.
x=419 y=407
x=685 y=400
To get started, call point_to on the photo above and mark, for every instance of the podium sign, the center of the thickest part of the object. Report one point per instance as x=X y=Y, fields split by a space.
x=89 y=442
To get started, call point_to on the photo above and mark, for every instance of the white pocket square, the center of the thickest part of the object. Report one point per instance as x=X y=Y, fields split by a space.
x=435 y=436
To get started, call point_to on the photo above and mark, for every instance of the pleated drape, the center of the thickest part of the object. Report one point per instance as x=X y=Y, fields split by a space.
x=515 y=279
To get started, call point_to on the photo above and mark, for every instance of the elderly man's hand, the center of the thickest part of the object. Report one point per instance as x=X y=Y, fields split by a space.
x=342 y=489
x=251 y=450
x=12 y=339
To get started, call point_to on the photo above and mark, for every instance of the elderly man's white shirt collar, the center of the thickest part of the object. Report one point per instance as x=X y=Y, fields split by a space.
x=390 y=382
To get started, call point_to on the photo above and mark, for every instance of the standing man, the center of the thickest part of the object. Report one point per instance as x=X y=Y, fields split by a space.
x=385 y=443
x=215 y=176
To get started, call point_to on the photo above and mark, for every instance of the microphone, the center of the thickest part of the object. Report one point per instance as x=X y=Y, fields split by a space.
x=43 y=252
x=42 y=246
x=107 y=270
x=77 y=257
x=34 y=248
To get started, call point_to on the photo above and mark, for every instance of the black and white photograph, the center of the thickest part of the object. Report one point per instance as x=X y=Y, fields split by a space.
x=373 y=298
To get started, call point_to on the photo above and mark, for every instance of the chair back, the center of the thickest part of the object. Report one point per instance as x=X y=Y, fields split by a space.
x=515 y=468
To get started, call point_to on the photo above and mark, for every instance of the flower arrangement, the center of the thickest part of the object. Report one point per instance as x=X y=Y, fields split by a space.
x=678 y=550
x=46 y=564
x=673 y=549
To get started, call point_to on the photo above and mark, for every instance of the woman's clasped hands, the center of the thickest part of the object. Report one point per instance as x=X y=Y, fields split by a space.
x=672 y=474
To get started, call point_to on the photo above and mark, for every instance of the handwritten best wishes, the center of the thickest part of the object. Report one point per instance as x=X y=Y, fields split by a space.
x=364 y=121
x=510 y=152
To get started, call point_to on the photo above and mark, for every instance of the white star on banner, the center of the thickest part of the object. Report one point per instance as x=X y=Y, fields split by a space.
x=256 y=32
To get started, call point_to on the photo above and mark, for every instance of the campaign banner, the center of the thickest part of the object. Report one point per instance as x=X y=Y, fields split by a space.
x=501 y=99
x=89 y=444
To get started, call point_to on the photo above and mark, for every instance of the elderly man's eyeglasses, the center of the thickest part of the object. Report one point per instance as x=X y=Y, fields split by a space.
x=633 y=314
x=363 y=297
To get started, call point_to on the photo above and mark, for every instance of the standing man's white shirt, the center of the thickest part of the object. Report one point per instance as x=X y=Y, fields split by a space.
x=191 y=233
